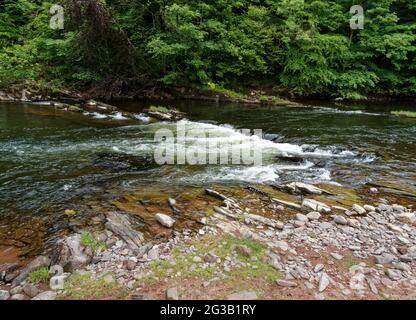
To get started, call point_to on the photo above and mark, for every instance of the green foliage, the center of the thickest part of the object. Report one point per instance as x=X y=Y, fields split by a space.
x=39 y=276
x=161 y=109
x=302 y=46
x=408 y=114
x=88 y=240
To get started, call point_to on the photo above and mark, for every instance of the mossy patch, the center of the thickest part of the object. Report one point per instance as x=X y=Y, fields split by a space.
x=182 y=264
x=408 y=114
x=161 y=109
x=81 y=286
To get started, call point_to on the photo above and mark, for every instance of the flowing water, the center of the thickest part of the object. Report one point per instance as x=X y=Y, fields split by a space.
x=50 y=158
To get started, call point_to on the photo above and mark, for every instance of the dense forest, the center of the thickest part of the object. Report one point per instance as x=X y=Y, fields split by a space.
x=297 y=47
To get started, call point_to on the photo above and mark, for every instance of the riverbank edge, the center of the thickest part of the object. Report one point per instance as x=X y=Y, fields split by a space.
x=321 y=252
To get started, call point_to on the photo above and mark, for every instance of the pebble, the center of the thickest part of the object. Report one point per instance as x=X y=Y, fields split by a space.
x=336 y=256
x=18 y=296
x=243 y=295
x=164 y=220
x=286 y=283
x=243 y=250
x=384 y=259
x=369 y=208
x=314 y=215
x=394 y=274
x=301 y=217
x=172 y=294
x=323 y=282
x=340 y=220
x=197 y=259
x=358 y=209
x=46 y=295
x=30 y=290
x=319 y=267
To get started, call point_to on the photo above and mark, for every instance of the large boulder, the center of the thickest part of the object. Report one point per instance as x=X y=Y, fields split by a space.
x=6 y=270
x=39 y=262
x=71 y=254
x=120 y=225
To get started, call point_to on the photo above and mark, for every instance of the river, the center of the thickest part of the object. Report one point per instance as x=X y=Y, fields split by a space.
x=50 y=159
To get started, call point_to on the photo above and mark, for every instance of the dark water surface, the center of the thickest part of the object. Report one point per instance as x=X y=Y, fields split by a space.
x=50 y=157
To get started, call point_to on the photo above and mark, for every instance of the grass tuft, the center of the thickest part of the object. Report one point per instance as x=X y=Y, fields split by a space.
x=88 y=240
x=40 y=275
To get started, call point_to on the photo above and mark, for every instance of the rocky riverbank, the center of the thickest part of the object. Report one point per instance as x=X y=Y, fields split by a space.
x=305 y=247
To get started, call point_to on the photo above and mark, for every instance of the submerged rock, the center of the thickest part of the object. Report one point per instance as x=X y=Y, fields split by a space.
x=164 y=220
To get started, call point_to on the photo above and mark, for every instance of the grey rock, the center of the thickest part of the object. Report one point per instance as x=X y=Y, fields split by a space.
x=340 y=220
x=197 y=259
x=172 y=294
x=6 y=269
x=394 y=274
x=358 y=209
x=30 y=290
x=372 y=286
x=243 y=295
x=164 y=220
x=153 y=253
x=210 y=257
x=336 y=256
x=309 y=205
x=243 y=250
x=16 y=290
x=301 y=217
x=314 y=215
x=37 y=263
x=324 y=282
x=46 y=295
x=384 y=259
x=71 y=254
x=4 y=295
x=398 y=208
x=120 y=225
x=407 y=217
x=18 y=296
x=325 y=225
x=369 y=208
x=401 y=266
x=129 y=264
x=319 y=267
x=286 y=283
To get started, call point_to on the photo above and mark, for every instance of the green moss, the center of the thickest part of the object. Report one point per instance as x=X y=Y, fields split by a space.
x=40 y=275
x=81 y=286
x=88 y=240
x=409 y=114
x=161 y=109
x=347 y=262
x=221 y=247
